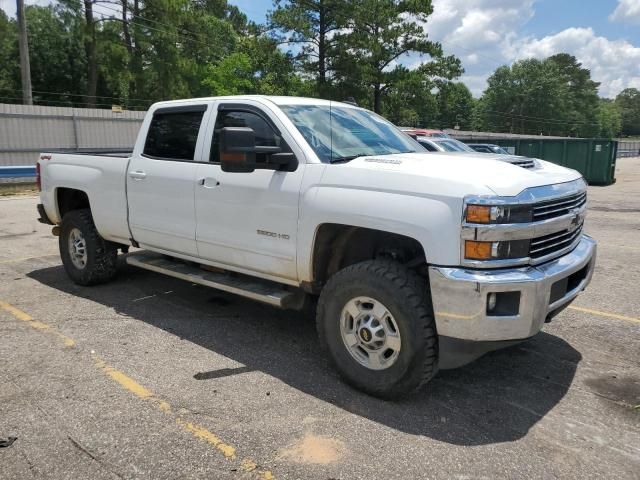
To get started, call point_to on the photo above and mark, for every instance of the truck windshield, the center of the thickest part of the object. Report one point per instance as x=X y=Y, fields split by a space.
x=338 y=133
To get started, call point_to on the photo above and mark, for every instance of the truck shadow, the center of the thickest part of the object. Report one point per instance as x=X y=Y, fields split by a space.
x=498 y=398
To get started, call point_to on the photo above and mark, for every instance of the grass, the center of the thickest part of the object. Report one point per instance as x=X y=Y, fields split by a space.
x=18 y=189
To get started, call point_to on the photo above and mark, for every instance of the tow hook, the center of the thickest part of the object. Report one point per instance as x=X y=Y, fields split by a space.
x=56 y=231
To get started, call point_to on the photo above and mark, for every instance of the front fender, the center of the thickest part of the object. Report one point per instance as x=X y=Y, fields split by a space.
x=433 y=221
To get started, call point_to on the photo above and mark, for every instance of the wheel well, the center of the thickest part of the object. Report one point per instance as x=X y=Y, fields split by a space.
x=338 y=246
x=71 y=199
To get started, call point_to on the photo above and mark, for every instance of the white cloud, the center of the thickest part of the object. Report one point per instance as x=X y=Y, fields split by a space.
x=479 y=32
x=613 y=63
x=627 y=11
x=486 y=34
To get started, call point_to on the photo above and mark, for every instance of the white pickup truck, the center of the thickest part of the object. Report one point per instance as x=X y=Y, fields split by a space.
x=418 y=260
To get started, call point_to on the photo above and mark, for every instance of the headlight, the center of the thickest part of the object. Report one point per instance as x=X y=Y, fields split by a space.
x=474 y=250
x=487 y=214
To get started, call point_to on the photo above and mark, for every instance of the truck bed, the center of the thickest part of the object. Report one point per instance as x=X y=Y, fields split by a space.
x=99 y=152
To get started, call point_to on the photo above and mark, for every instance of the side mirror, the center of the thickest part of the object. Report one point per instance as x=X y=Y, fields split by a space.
x=237 y=149
x=238 y=153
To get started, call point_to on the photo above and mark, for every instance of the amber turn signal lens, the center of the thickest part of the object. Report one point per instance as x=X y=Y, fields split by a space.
x=477 y=250
x=478 y=214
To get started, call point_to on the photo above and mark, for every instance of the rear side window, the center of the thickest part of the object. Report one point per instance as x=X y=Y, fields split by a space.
x=173 y=133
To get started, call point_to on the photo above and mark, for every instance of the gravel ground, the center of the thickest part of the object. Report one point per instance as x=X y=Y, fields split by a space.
x=151 y=377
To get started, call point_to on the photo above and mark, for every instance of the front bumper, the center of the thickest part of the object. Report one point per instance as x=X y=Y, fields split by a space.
x=460 y=295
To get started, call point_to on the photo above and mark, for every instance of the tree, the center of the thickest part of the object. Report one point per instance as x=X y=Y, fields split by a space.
x=256 y=67
x=379 y=34
x=528 y=97
x=628 y=101
x=409 y=102
x=8 y=58
x=455 y=105
x=57 y=54
x=582 y=103
x=609 y=119
x=312 y=25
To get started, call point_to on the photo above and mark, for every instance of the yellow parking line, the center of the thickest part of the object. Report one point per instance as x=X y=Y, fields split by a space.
x=246 y=465
x=20 y=315
x=605 y=314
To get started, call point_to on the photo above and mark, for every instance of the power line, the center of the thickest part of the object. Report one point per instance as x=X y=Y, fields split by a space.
x=133 y=22
x=64 y=94
x=61 y=103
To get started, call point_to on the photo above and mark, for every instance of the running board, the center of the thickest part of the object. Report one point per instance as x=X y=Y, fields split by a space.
x=260 y=290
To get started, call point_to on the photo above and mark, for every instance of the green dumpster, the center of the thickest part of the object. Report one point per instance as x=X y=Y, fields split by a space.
x=595 y=159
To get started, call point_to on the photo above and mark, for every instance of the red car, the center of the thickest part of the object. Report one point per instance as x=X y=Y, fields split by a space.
x=423 y=132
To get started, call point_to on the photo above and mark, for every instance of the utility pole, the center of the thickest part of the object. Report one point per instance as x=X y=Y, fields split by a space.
x=23 y=43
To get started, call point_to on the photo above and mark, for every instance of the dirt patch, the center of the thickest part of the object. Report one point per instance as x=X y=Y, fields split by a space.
x=13 y=189
x=314 y=449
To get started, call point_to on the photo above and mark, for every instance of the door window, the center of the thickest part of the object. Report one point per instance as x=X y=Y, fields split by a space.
x=173 y=134
x=265 y=135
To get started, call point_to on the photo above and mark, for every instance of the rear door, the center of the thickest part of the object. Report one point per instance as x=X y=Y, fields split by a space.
x=161 y=180
x=249 y=221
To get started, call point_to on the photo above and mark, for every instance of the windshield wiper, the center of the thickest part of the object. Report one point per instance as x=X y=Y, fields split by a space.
x=347 y=158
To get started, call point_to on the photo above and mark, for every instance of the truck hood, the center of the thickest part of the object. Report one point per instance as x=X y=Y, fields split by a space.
x=440 y=172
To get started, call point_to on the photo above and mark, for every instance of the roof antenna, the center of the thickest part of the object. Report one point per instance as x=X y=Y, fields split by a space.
x=331 y=130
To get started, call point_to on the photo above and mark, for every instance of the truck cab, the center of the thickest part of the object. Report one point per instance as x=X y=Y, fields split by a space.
x=412 y=261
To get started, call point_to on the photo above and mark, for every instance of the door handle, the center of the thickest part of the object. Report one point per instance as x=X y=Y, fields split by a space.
x=208 y=182
x=138 y=175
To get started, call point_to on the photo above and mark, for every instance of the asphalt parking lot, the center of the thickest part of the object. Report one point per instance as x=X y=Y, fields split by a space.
x=151 y=377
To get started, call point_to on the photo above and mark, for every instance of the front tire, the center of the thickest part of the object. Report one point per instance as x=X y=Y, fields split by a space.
x=376 y=320
x=88 y=258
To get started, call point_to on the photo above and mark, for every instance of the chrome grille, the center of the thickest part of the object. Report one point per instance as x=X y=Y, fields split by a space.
x=558 y=206
x=552 y=243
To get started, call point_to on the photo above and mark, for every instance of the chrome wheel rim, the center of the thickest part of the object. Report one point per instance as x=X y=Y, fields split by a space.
x=370 y=333
x=77 y=248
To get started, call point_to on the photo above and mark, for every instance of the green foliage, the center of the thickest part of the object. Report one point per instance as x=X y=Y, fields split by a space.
x=530 y=97
x=609 y=119
x=628 y=101
x=376 y=51
x=582 y=102
x=555 y=96
x=381 y=32
x=455 y=106
x=311 y=27
x=9 y=72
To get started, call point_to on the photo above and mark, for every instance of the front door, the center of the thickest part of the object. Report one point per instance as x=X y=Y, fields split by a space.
x=161 y=181
x=249 y=220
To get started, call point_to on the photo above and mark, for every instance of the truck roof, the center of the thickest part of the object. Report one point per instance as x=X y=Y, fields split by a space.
x=278 y=100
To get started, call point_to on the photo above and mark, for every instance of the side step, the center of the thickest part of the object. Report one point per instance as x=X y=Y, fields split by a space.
x=260 y=290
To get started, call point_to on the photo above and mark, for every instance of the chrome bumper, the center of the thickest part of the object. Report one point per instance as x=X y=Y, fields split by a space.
x=460 y=295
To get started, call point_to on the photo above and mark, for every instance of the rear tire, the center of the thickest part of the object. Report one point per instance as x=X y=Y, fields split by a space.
x=88 y=258
x=398 y=353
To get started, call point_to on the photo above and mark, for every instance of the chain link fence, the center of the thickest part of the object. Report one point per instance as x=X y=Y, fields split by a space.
x=627 y=148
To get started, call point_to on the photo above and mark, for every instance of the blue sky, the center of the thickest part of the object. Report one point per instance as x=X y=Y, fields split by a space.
x=603 y=34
